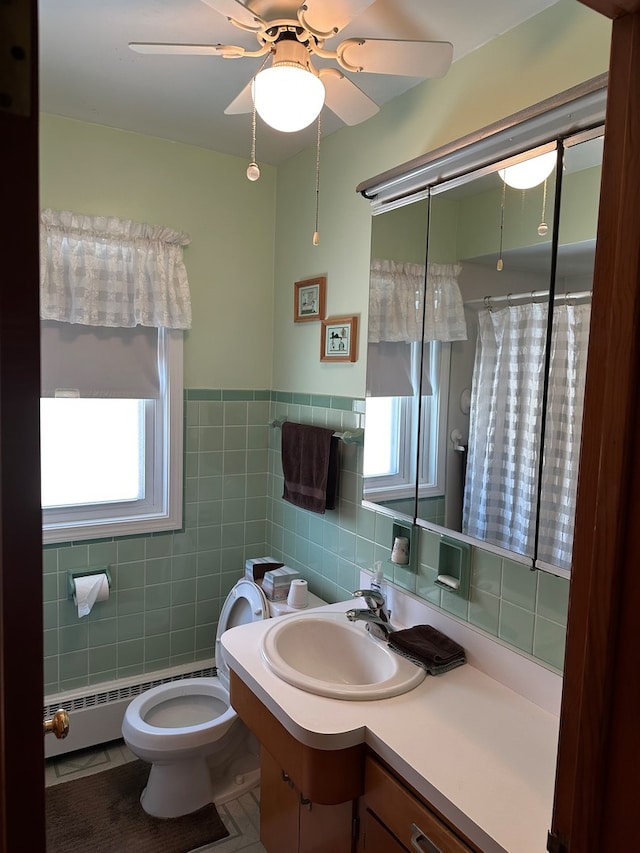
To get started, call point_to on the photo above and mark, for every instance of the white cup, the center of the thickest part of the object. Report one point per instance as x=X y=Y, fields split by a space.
x=400 y=551
x=298 y=593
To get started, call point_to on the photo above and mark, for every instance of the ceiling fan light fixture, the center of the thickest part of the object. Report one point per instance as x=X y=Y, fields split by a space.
x=287 y=96
x=529 y=173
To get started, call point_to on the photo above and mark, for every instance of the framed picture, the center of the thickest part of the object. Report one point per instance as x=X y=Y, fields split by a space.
x=339 y=340
x=309 y=299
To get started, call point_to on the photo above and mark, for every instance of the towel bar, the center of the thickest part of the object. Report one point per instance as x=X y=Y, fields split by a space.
x=349 y=436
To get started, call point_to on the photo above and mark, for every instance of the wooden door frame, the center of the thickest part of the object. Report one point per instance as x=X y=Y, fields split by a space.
x=599 y=751
x=21 y=665
x=598 y=767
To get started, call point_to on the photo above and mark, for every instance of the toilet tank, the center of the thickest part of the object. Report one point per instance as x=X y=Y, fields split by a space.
x=280 y=608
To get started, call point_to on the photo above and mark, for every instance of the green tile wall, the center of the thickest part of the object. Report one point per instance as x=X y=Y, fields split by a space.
x=168 y=588
x=524 y=609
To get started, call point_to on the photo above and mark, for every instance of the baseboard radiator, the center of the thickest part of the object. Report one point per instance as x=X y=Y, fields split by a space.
x=96 y=712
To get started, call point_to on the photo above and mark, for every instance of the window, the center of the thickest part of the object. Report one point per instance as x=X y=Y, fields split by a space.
x=392 y=464
x=93 y=451
x=113 y=466
x=114 y=298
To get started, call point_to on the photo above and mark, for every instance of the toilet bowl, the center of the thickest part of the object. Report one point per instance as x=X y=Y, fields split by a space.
x=199 y=750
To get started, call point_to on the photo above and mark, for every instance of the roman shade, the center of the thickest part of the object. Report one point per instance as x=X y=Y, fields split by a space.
x=399 y=321
x=91 y=361
x=107 y=286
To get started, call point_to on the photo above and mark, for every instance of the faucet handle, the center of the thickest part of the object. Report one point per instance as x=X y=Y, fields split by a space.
x=373 y=597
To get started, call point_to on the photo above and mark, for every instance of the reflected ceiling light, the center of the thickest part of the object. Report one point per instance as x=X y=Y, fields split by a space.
x=529 y=173
x=289 y=95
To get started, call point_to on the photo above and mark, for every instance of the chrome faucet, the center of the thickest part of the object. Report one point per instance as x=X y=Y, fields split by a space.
x=375 y=614
x=376 y=626
x=373 y=598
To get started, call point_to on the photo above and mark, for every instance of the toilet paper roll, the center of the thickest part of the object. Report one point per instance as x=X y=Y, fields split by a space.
x=88 y=590
x=298 y=594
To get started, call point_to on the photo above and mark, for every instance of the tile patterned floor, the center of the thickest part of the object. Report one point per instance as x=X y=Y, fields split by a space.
x=240 y=816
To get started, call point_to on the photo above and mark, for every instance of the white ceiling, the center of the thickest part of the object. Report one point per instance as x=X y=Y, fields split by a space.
x=88 y=72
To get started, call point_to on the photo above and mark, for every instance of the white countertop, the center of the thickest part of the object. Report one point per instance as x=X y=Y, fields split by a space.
x=480 y=752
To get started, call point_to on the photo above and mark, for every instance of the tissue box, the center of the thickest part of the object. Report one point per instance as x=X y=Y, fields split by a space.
x=276 y=582
x=255 y=568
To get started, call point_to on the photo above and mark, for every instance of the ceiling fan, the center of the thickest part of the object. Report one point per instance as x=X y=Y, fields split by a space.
x=289 y=92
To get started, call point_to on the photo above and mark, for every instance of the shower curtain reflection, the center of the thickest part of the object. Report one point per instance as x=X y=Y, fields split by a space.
x=503 y=465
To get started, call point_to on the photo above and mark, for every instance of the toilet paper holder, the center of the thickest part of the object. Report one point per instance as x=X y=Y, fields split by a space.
x=83 y=573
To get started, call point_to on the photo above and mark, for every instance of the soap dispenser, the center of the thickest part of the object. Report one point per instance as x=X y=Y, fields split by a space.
x=378 y=577
x=378 y=584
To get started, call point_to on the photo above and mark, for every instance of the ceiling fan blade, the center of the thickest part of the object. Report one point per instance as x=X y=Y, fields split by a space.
x=178 y=49
x=242 y=103
x=345 y=99
x=392 y=56
x=331 y=16
x=237 y=11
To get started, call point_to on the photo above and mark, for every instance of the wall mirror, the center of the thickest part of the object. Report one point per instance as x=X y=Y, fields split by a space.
x=479 y=315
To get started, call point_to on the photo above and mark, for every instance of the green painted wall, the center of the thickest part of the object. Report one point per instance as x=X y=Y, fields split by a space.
x=93 y=169
x=561 y=47
x=401 y=234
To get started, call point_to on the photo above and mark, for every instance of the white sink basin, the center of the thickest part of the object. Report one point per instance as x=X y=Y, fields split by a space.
x=325 y=654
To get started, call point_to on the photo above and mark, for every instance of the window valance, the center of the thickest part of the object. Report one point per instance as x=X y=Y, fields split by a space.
x=395 y=302
x=104 y=271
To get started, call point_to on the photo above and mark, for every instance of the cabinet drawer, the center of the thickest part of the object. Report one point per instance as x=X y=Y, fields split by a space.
x=412 y=822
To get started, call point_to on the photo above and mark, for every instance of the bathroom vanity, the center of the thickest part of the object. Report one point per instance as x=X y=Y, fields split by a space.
x=460 y=763
x=342 y=800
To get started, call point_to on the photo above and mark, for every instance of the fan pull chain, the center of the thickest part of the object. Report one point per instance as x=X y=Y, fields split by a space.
x=543 y=228
x=253 y=170
x=316 y=233
x=500 y=264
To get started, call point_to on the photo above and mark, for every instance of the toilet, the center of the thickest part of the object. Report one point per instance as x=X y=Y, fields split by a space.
x=199 y=750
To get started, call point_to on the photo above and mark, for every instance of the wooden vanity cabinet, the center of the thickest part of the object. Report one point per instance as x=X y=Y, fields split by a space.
x=392 y=819
x=308 y=796
x=335 y=801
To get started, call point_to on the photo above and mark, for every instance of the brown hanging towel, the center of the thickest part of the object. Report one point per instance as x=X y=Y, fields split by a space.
x=310 y=466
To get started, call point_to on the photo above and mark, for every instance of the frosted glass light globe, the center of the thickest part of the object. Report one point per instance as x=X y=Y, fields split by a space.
x=529 y=173
x=287 y=97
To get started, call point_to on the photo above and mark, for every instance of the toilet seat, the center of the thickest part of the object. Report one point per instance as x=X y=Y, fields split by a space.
x=152 y=737
x=245 y=603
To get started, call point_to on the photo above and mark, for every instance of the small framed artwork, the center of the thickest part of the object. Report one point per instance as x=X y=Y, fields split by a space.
x=339 y=340
x=309 y=298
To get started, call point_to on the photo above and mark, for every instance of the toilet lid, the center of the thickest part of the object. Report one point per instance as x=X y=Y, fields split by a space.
x=245 y=603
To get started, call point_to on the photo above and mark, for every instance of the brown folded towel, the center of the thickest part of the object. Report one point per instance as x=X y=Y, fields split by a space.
x=310 y=466
x=428 y=647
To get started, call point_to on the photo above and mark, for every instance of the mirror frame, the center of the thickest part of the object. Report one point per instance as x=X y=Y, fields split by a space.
x=580 y=108
x=575 y=112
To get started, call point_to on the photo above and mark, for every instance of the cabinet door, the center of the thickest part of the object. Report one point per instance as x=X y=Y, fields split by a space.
x=324 y=828
x=279 y=808
x=397 y=282
x=291 y=824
